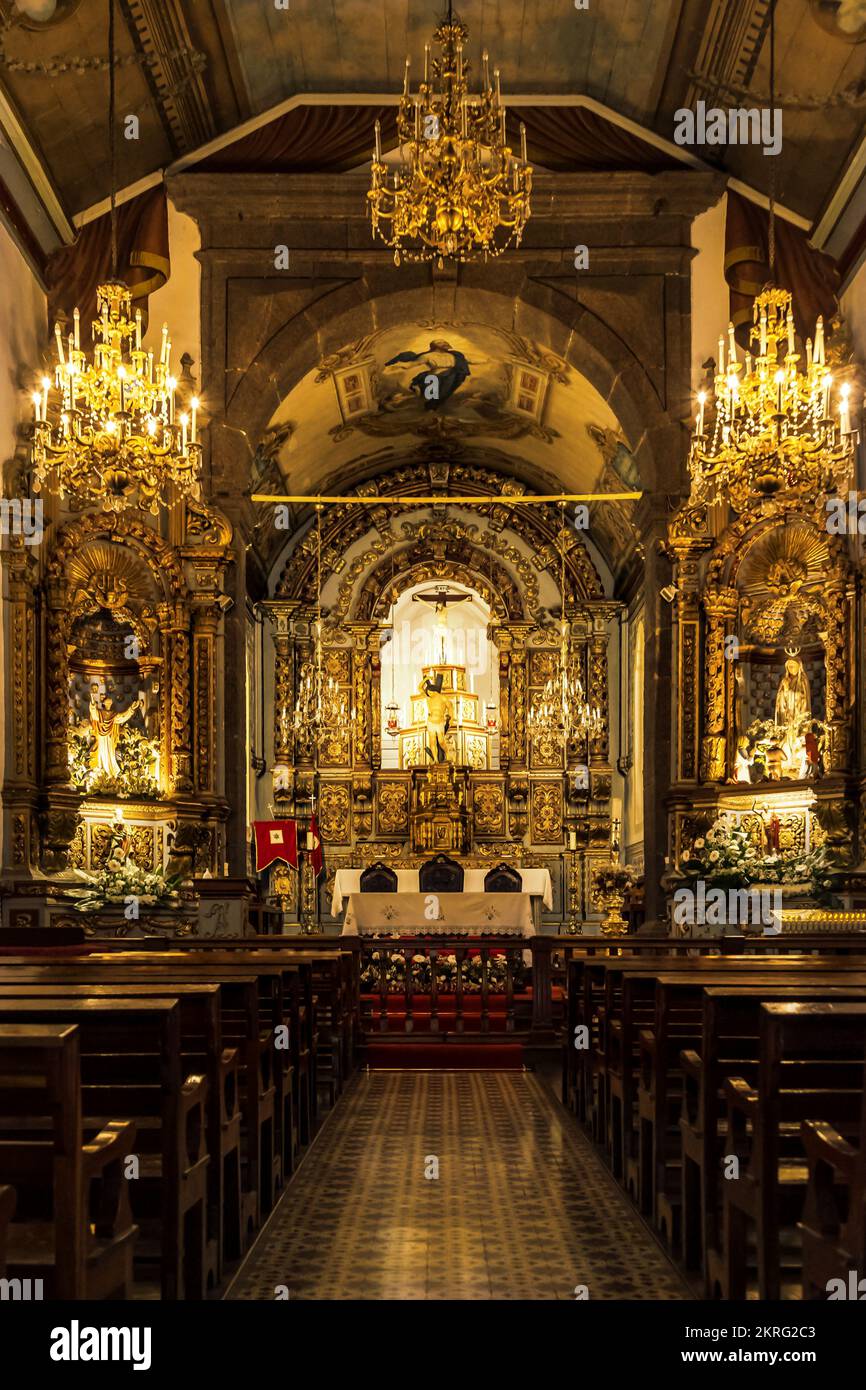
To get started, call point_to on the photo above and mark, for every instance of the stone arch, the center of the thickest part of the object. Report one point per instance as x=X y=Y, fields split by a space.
x=510 y=301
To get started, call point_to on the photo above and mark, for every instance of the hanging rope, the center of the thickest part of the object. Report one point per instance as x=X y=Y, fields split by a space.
x=111 y=139
x=771 y=233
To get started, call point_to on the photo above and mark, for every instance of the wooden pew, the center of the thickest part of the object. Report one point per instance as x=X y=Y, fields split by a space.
x=130 y=1058
x=73 y=1228
x=676 y=1028
x=810 y=1067
x=729 y=1045
x=202 y=1050
x=250 y=1008
x=833 y=1228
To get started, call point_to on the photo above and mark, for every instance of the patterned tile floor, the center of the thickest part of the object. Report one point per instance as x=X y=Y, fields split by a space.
x=522 y=1207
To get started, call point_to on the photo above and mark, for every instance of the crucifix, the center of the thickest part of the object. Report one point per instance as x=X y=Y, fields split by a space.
x=439 y=599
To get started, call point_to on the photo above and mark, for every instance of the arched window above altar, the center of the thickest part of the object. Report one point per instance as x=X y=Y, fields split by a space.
x=440 y=679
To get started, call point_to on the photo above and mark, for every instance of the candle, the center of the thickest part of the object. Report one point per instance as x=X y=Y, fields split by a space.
x=763 y=332
x=733 y=347
x=171 y=383
x=721 y=355
x=426 y=63
x=150 y=366
x=379 y=139
x=37 y=401
x=523 y=142
x=417 y=122
x=486 y=61
x=808 y=354
x=45 y=385
x=463 y=113
x=790 y=324
x=502 y=124
x=702 y=396
x=498 y=92
x=138 y=330
x=76 y=320
x=162 y=357
x=183 y=425
x=59 y=336
x=405 y=80
x=194 y=405
x=844 y=419
x=459 y=62
x=819 y=342
x=779 y=379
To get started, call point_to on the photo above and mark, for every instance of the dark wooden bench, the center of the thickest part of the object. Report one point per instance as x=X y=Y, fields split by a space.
x=202 y=1050
x=130 y=1055
x=729 y=1045
x=833 y=1228
x=676 y=1028
x=72 y=1226
x=251 y=1005
x=810 y=1067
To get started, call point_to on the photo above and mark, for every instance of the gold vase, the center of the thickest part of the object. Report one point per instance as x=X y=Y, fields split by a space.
x=613 y=924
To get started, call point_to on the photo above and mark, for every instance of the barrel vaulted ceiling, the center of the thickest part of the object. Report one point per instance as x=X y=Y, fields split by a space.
x=193 y=70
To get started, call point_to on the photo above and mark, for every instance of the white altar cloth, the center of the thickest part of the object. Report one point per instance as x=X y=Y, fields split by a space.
x=463 y=914
x=536 y=882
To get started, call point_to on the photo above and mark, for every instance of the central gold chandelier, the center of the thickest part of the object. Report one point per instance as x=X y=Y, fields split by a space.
x=458 y=192
x=108 y=431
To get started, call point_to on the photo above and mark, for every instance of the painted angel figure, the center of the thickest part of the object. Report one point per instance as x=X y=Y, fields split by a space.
x=444 y=370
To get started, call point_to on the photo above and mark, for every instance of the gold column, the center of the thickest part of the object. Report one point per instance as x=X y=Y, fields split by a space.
x=205 y=626
x=721 y=609
x=179 y=670
x=57 y=694
x=597 y=688
x=836 y=676
x=21 y=689
x=362 y=723
x=517 y=712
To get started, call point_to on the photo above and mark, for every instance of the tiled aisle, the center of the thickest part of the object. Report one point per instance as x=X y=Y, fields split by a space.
x=522 y=1207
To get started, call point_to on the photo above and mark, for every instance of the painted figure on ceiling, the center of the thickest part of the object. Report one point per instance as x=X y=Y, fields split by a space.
x=444 y=372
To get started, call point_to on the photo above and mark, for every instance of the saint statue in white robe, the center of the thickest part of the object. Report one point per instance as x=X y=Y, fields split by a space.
x=106 y=723
x=793 y=705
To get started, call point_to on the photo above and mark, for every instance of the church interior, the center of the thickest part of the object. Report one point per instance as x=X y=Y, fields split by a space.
x=433 y=647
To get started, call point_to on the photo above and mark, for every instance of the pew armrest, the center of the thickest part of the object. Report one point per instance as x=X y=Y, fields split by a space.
x=228 y=1072
x=690 y=1065
x=741 y=1096
x=835 y=1172
x=646 y=1058
x=106 y=1188
x=192 y=1130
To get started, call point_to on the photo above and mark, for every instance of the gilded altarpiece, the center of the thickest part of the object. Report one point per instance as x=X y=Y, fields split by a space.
x=524 y=810
x=114 y=680
x=766 y=653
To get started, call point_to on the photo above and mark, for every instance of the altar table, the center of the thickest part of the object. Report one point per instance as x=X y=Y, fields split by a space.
x=536 y=882
x=459 y=914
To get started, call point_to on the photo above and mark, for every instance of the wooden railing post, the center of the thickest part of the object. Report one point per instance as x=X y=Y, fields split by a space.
x=542 y=997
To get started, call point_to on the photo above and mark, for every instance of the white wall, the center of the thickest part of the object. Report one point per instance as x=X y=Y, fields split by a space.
x=711 y=310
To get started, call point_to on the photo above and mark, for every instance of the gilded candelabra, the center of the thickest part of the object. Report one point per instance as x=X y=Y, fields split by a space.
x=772 y=433
x=107 y=431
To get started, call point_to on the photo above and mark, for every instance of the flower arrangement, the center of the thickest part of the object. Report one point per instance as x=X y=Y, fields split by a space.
x=613 y=878
x=727 y=857
x=446 y=973
x=123 y=880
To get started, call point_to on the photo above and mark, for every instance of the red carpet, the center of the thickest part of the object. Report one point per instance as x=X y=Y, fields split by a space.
x=444 y=1056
